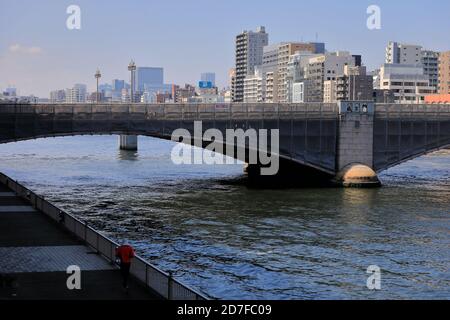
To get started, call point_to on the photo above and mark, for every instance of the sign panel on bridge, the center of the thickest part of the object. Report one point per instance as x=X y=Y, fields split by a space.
x=356 y=107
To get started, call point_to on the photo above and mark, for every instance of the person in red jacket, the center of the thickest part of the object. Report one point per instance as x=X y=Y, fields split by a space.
x=125 y=253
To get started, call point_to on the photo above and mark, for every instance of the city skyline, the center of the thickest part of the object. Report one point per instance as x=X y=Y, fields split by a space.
x=38 y=55
x=234 y=158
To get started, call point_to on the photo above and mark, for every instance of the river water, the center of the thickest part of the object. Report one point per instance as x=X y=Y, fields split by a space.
x=229 y=241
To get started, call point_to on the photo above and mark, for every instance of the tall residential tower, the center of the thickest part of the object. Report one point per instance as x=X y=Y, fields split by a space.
x=249 y=53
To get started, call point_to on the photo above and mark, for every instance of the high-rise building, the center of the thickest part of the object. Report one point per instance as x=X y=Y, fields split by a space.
x=325 y=67
x=276 y=58
x=430 y=63
x=329 y=91
x=409 y=83
x=147 y=97
x=118 y=85
x=253 y=87
x=409 y=54
x=354 y=85
x=57 y=96
x=149 y=76
x=208 y=77
x=399 y=53
x=444 y=72
x=269 y=71
x=180 y=95
x=270 y=86
x=285 y=51
x=76 y=94
x=403 y=53
x=249 y=53
x=296 y=71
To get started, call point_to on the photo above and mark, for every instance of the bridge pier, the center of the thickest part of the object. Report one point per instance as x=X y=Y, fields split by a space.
x=128 y=142
x=357 y=176
x=355 y=145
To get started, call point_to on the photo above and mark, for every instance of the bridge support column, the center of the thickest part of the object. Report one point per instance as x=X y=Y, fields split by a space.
x=355 y=145
x=128 y=142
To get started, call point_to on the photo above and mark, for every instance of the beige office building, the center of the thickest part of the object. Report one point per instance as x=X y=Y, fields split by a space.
x=408 y=82
x=253 y=87
x=329 y=91
x=444 y=72
x=276 y=59
x=285 y=51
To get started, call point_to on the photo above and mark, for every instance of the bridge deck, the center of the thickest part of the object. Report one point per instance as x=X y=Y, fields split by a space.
x=35 y=253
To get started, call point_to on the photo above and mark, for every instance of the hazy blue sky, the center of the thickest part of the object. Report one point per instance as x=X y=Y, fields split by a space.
x=38 y=53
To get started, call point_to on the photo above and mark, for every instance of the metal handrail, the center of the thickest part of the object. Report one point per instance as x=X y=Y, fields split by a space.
x=80 y=229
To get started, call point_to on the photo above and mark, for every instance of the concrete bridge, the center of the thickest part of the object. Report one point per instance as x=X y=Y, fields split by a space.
x=349 y=142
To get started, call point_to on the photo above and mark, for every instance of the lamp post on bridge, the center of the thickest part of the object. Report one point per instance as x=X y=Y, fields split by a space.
x=132 y=69
x=98 y=75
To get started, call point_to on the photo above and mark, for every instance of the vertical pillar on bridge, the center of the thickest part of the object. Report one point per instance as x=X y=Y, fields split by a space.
x=128 y=142
x=355 y=145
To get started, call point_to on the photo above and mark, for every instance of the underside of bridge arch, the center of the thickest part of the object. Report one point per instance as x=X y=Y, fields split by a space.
x=398 y=162
x=399 y=140
x=290 y=174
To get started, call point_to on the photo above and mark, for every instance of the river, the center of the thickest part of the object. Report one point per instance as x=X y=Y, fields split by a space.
x=214 y=233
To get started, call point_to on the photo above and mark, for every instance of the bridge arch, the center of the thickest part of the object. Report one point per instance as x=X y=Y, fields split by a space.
x=285 y=161
x=412 y=157
x=315 y=138
x=307 y=132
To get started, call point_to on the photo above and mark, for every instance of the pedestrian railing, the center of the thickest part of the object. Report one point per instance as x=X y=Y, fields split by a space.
x=158 y=281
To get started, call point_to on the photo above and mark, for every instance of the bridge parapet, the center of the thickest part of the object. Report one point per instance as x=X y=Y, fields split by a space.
x=405 y=131
x=317 y=135
x=419 y=111
x=181 y=111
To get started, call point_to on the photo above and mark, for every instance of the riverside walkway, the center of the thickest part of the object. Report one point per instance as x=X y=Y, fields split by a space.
x=38 y=242
x=35 y=253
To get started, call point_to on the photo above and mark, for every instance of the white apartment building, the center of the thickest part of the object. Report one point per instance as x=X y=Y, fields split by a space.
x=326 y=67
x=408 y=82
x=296 y=70
x=300 y=91
x=58 y=96
x=253 y=87
x=249 y=53
x=76 y=94
x=147 y=97
x=276 y=58
x=271 y=87
x=430 y=63
x=403 y=53
x=285 y=51
x=329 y=91
x=269 y=73
x=400 y=53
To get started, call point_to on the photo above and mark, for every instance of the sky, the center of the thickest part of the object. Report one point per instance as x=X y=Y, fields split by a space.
x=38 y=53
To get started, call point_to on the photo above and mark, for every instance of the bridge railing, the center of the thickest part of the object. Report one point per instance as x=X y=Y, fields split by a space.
x=428 y=111
x=155 y=279
x=179 y=111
